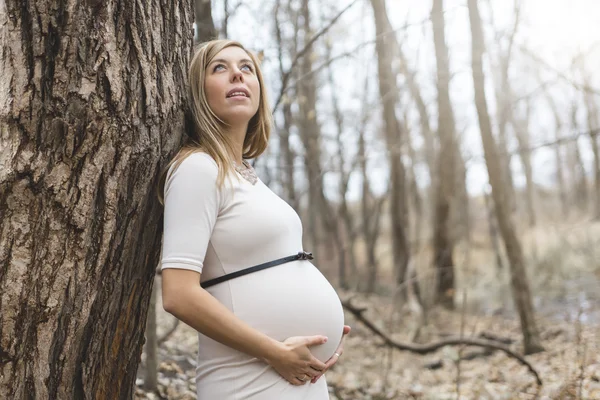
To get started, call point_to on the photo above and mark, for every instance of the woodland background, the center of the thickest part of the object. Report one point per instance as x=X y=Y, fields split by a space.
x=443 y=156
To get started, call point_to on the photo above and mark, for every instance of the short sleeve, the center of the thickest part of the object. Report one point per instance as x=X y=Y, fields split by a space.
x=191 y=207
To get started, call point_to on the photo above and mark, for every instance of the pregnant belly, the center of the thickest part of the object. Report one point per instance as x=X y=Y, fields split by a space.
x=293 y=299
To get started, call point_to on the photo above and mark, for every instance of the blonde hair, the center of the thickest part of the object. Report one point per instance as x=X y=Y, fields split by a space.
x=206 y=130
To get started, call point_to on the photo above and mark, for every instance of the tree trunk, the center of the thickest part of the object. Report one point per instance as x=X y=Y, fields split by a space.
x=320 y=215
x=504 y=101
x=577 y=168
x=519 y=281
x=285 y=149
x=446 y=165
x=389 y=98
x=558 y=159
x=521 y=128
x=205 y=27
x=348 y=236
x=369 y=206
x=493 y=229
x=91 y=110
x=426 y=132
x=594 y=132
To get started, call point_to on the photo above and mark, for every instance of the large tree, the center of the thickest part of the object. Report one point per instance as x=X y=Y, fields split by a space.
x=446 y=166
x=514 y=251
x=91 y=97
x=388 y=92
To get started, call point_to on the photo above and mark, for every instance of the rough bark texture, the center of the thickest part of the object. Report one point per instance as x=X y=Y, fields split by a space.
x=388 y=91
x=514 y=252
x=445 y=163
x=90 y=109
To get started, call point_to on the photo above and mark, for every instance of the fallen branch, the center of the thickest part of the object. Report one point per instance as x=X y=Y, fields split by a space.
x=431 y=347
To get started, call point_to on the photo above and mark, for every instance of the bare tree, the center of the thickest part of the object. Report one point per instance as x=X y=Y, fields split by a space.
x=558 y=158
x=91 y=113
x=320 y=214
x=389 y=98
x=286 y=153
x=521 y=127
x=445 y=165
x=519 y=281
x=205 y=27
x=344 y=169
x=426 y=131
x=593 y=125
x=577 y=169
x=504 y=99
x=493 y=230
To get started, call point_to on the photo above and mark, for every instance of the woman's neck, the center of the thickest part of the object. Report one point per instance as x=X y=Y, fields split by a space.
x=238 y=134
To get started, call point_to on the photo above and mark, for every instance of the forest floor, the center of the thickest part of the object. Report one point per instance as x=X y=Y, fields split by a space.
x=569 y=367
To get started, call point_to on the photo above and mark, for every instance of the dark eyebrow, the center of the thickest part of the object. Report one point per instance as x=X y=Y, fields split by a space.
x=226 y=62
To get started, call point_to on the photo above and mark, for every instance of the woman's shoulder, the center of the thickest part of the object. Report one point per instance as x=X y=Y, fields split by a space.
x=198 y=165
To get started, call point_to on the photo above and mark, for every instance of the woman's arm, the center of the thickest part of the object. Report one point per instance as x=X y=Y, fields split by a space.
x=189 y=302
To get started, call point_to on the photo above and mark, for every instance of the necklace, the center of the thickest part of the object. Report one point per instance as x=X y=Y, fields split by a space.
x=246 y=170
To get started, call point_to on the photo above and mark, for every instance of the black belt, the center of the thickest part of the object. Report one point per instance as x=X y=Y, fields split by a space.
x=303 y=255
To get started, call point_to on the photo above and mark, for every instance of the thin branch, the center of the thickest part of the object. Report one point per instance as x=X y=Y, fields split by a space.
x=304 y=50
x=583 y=87
x=431 y=347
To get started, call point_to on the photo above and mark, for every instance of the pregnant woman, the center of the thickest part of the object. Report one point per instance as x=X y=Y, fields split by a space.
x=265 y=335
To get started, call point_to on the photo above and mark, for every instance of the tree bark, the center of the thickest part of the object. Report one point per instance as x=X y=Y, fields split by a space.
x=90 y=112
x=519 y=281
x=389 y=98
x=445 y=165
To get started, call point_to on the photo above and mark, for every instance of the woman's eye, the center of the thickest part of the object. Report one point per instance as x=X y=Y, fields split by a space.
x=217 y=67
x=248 y=67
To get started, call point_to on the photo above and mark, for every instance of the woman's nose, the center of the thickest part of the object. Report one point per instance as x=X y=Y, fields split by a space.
x=237 y=75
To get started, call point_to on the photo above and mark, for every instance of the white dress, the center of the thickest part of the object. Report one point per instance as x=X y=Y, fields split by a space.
x=218 y=231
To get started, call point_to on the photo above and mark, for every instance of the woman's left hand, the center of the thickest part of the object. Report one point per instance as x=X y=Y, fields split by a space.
x=338 y=353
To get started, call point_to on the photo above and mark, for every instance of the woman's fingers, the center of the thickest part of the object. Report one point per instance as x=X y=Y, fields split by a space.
x=317 y=364
x=315 y=340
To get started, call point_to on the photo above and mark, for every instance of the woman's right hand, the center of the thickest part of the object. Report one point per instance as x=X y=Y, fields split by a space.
x=294 y=361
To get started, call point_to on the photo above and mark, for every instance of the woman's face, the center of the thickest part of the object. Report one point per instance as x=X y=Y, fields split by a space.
x=232 y=87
